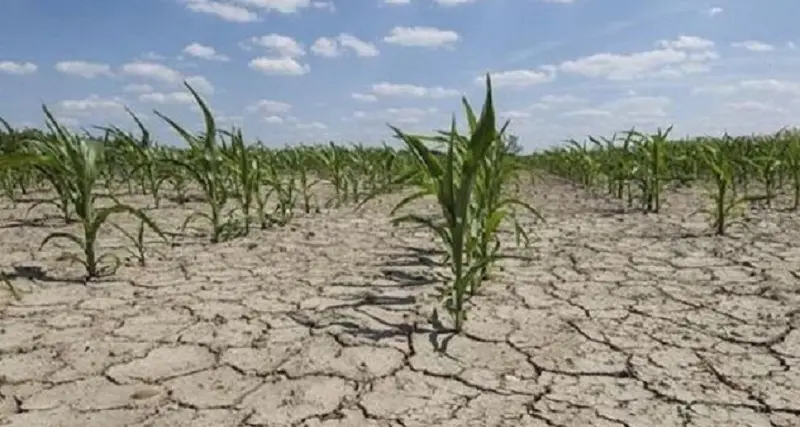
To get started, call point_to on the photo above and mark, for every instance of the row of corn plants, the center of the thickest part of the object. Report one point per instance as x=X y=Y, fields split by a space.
x=472 y=174
x=636 y=168
x=236 y=184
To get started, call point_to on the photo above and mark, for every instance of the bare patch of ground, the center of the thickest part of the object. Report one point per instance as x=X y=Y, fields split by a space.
x=607 y=320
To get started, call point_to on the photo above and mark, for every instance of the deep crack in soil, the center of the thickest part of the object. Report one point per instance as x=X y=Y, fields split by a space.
x=608 y=319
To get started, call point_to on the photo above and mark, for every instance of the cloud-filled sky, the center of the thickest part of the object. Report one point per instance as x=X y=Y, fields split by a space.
x=290 y=71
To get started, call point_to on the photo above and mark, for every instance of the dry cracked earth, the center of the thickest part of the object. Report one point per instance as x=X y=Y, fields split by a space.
x=608 y=319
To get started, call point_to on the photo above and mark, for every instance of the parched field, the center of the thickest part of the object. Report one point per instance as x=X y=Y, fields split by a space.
x=607 y=319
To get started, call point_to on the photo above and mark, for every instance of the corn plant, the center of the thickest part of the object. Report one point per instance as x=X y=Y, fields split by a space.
x=244 y=171
x=283 y=186
x=60 y=183
x=76 y=162
x=139 y=249
x=146 y=165
x=11 y=177
x=725 y=202
x=767 y=164
x=492 y=204
x=451 y=179
x=791 y=156
x=650 y=172
x=297 y=161
x=176 y=178
x=206 y=165
x=584 y=165
x=334 y=163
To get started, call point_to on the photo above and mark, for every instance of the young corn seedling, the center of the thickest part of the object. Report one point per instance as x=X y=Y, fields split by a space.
x=492 y=202
x=451 y=179
x=139 y=249
x=297 y=161
x=146 y=165
x=244 y=168
x=77 y=162
x=283 y=186
x=725 y=204
x=585 y=167
x=334 y=162
x=791 y=156
x=177 y=180
x=11 y=177
x=767 y=165
x=205 y=164
x=651 y=170
x=60 y=183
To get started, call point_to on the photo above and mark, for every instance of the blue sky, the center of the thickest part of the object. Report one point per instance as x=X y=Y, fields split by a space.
x=288 y=71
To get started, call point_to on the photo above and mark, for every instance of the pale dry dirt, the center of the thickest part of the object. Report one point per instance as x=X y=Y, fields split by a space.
x=608 y=319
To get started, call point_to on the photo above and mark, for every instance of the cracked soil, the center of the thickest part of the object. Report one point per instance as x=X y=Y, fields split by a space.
x=607 y=319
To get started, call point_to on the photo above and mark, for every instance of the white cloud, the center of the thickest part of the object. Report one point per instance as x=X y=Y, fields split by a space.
x=312 y=125
x=772 y=87
x=639 y=106
x=91 y=103
x=88 y=70
x=714 y=11
x=360 y=47
x=396 y=1
x=687 y=43
x=273 y=119
x=325 y=46
x=753 y=107
x=421 y=37
x=151 y=56
x=163 y=74
x=226 y=11
x=279 y=44
x=269 y=106
x=243 y=11
x=167 y=98
x=754 y=46
x=330 y=47
x=198 y=50
x=398 y=115
x=327 y=5
x=561 y=99
x=626 y=111
x=453 y=2
x=412 y=91
x=17 y=68
x=715 y=90
x=674 y=58
x=279 y=66
x=364 y=97
x=138 y=88
x=587 y=112
x=152 y=71
x=519 y=78
x=281 y=6
x=514 y=114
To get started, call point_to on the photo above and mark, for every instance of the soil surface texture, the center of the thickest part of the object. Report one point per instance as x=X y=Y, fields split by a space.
x=607 y=319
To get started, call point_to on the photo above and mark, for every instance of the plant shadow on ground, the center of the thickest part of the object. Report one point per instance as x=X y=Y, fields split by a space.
x=25 y=223
x=439 y=335
x=36 y=273
x=394 y=266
